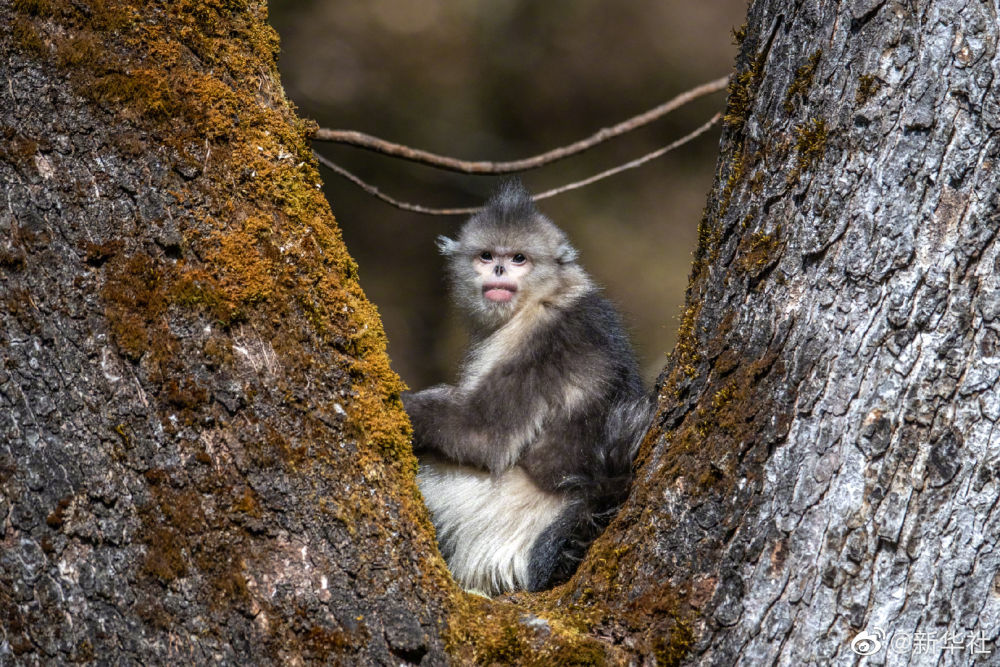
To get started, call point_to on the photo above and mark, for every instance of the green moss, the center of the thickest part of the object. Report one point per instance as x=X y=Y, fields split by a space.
x=135 y=305
x=16 y=148
x=249 y=259
x=57 y=517
x=17 y=302
x=198 y=82
x=28 y=37
x=742 y=91
x=710 y=445
x=722 y=398
x=12 y=260
x=758 y=252
x=180 y=508
x=672 y=649
x=320 y=640
x=811 y=141
x=868 y=85
x=739 y=35
x=803 y=81
x=83 y=652
x=196 y=289
x=659 y=618
x=145 y=91
x=486 y=632
x=183 y=538
x=686 y=350
x=218 y=351
x=34 y=7
x=229 y=586
x=707 y=238
x=810 y=145
x=185 y=393
x=709 y=416
x=273 y=450
x=164 y=559
x=108 y=15
x=98 y=253
x=736 y=170
x=247 y=503
x=710 y=477
x=76 y=51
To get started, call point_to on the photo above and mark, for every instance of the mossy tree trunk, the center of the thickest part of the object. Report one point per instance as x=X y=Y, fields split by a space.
x=202 y=452
x=825 y=461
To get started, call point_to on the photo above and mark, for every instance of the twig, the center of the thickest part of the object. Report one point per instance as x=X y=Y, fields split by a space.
x=633 y=164
x=366 y=141
x=416 y=208
x=375 y=192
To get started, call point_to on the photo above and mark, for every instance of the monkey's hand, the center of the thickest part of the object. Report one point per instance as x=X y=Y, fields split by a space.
x=427 y=408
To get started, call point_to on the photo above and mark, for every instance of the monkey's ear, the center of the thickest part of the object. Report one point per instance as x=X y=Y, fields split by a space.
x=566 y=254
x=447 y=246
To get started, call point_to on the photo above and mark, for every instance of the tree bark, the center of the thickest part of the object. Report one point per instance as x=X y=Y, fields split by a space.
x=202 y=452
x=825 y=460
x=203 y=457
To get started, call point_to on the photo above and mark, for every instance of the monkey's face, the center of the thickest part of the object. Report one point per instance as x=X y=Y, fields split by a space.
x=496 y=281
x=501 y=274
x=501 y=262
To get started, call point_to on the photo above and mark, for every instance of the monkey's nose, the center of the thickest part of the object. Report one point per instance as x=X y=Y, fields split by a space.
x=498 y=269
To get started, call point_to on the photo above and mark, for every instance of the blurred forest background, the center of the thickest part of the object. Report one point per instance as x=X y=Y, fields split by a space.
x=501 y=80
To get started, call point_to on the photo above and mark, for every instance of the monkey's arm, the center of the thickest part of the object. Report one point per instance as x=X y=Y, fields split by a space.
x=487 y=427
x=426 y=409
x=552 y=387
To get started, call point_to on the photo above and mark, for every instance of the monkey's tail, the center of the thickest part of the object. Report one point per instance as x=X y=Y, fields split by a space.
x=597 y=494
x=610 y=478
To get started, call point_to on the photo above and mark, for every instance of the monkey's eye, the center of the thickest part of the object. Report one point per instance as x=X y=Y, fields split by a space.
x=486 y=256
x=518 y=259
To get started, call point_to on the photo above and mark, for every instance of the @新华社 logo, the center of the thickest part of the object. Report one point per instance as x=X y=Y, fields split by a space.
x=868 y=643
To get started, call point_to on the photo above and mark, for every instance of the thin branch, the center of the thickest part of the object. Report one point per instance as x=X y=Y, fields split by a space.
x=416 y=208
x=366 y=141
x=375 y=192
x=633 y=164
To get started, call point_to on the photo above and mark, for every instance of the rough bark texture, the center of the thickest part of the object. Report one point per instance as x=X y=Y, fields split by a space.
x=827 y=454
x=203 y=457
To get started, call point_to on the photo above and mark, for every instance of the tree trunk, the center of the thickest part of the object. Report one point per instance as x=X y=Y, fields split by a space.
x=826 y=456
x=202 y=451
x=203 y=456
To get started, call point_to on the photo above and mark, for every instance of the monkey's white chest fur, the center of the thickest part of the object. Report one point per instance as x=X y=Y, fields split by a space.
x=486 y=527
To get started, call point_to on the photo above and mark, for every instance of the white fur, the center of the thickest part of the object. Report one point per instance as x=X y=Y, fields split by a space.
x=502 y=344
x=488 y=525
x=508 y=339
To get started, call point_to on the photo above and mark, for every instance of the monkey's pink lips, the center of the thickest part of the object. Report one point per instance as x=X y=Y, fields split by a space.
x=499 y=292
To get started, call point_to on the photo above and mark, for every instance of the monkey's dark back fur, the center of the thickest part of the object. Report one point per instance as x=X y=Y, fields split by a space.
x=598 y=477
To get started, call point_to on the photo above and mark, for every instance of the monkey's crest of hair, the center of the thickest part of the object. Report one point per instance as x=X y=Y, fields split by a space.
x=508 y=218
x=511 y=204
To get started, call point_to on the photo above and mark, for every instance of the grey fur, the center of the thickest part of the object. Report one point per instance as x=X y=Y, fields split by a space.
x=550 y=389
